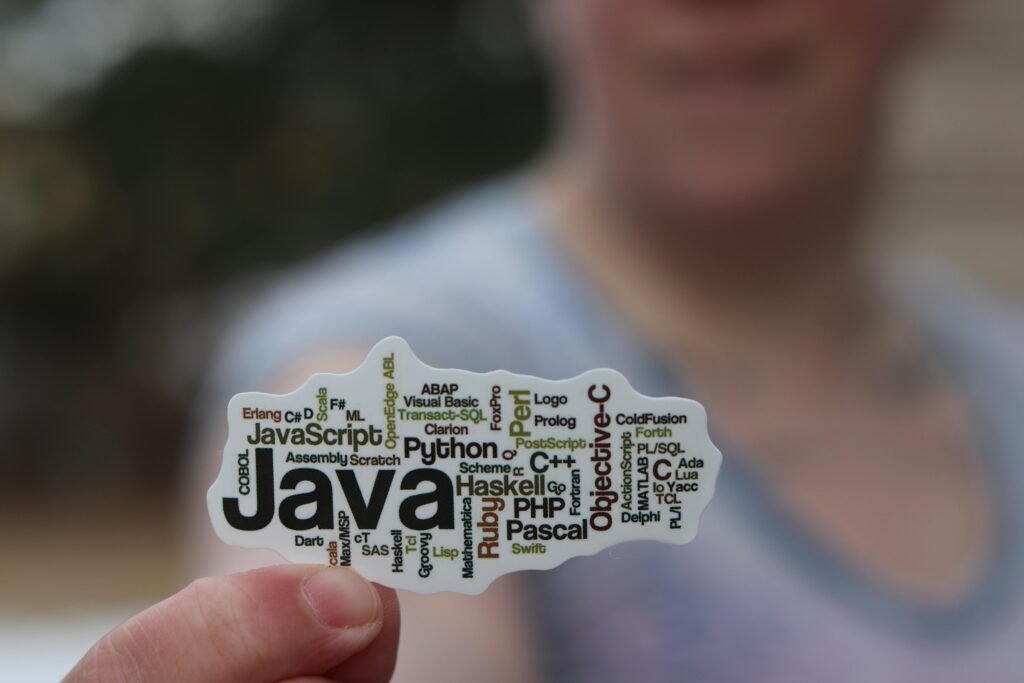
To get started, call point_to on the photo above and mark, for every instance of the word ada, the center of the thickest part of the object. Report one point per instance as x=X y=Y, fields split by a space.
x=432 y=479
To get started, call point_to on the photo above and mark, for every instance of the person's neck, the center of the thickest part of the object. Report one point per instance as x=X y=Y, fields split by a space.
x=802 y=294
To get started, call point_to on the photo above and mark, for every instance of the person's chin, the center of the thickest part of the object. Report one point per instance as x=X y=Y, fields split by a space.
x=732 y=191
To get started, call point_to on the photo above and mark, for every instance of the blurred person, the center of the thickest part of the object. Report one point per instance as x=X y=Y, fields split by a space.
x=699 y=224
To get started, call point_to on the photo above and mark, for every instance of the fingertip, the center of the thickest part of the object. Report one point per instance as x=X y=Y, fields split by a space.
x=375 y=663
x=341 y=598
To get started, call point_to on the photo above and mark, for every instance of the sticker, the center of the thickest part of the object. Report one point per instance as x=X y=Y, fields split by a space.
x=433 y=479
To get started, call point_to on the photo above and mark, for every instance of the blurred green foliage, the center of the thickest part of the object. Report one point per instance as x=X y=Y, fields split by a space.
x=186 y=168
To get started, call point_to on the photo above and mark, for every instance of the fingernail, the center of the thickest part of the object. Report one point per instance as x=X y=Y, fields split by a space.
x=341 y=598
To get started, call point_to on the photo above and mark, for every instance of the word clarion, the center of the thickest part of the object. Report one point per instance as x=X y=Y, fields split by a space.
x=433 y=479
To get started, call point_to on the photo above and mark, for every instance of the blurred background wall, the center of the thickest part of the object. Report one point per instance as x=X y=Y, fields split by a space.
x=159 y=158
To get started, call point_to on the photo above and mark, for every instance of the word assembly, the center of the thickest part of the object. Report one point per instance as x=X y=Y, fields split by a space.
x=433 y=479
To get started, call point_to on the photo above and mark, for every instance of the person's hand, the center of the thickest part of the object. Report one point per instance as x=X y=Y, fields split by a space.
x=290 y=623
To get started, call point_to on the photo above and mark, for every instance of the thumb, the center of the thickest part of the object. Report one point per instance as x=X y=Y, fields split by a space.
x=264 y=625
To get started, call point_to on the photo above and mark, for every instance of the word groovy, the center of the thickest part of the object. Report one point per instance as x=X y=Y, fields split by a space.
x=433 y=479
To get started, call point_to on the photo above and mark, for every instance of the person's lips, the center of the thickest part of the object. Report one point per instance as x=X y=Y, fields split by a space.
x=732 y=64
x=735 y=83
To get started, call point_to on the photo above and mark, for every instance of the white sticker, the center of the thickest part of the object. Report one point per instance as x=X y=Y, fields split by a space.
x=433 y=479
